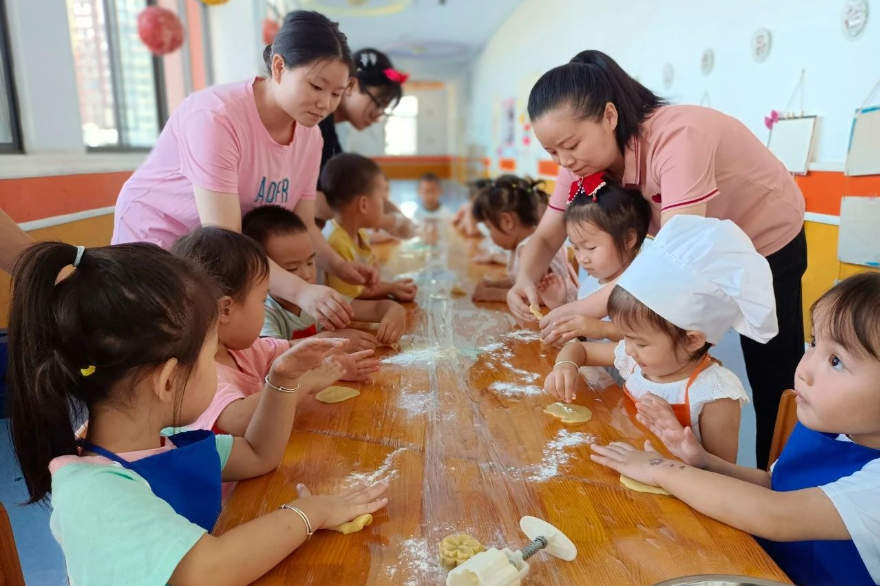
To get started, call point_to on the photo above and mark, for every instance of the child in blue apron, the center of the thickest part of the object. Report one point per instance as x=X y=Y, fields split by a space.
x=129 y=339
x=816 y=512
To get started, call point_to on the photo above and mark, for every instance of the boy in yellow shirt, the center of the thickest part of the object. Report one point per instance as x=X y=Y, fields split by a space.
x=355 y=189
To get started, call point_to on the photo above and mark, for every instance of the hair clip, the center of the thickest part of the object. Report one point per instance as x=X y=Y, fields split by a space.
x=396 y=76
x=367 y=59
x=589 y=185
x=88 y=371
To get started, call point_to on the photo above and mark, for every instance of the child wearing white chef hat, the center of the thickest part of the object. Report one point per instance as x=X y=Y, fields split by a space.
x=699 y=278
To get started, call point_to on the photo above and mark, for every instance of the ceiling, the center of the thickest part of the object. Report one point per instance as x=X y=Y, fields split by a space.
x=431 y=39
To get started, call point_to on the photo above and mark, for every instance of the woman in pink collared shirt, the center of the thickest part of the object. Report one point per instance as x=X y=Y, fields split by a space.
x=228 y=149
x=591 y=116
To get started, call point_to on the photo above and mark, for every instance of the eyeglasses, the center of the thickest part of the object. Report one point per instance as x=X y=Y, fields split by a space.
x=381 y=106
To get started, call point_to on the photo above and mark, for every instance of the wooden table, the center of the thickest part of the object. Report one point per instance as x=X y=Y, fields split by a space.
x=456 y=419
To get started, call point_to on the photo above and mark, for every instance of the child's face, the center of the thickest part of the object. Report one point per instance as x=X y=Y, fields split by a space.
x=429 y=192
x=371 y=205
x=656 y=353
x=837 y=392
x=294 y=254
x=202 y=385
x=503 y=235
x=241 y=321
x=594 y=250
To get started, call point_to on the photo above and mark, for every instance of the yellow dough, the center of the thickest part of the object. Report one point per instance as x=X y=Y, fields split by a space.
x=457 y=291
x=354 y=525
x=457 y=549
x=639 y=487
x=336 y=394
x=536 y=311
x=569 y=413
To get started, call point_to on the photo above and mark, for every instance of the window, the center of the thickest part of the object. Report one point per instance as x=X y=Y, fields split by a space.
x=121 y=92
x=10 y=134
x=401 y=128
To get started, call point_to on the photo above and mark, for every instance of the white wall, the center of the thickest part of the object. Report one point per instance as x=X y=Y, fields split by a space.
x=642 y=35
x=236 y=41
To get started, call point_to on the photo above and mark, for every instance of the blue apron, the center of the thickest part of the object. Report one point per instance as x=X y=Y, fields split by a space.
x=186 y=477
x=812 y=459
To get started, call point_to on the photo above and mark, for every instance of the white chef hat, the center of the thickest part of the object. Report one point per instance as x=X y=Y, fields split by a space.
x=705 y=275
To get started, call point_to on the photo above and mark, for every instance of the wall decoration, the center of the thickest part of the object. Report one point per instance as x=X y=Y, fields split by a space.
x=342 y=8
x=271 y=27
x=863 y=155
x=160 y=30
x=859 y=240
x=771 y=119
x=508 y=122
x=668 y=75
x=791 y=140
x=214 y=2
x=707 y=61
x=855 y=18
x=761 y=44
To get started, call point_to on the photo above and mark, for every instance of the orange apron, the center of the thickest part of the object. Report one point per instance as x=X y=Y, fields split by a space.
x=682 y=410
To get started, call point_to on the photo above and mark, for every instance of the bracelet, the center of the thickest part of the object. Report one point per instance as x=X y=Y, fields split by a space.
x=566 y=362
x=302 y=516
x=280 y=389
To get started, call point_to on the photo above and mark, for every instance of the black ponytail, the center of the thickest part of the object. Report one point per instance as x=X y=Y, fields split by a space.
x=308 y=36
x=87 y=339
x=522 y=197
x=586 y=84
x=371 y=65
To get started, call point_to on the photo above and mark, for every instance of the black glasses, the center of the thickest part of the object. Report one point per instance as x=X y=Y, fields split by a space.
x=382 y=106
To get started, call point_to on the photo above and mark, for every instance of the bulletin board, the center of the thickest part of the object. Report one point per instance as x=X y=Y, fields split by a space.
x=863 y=155
x=791 y=140
x=859 y=239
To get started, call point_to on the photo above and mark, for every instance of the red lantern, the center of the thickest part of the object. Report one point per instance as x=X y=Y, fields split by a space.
x=160 y=30
x=270 y=30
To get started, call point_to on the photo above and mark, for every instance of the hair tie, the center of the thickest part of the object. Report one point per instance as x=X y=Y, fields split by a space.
x=589 y=186
x=80 y=251
x=88 y=371
x=396 y=76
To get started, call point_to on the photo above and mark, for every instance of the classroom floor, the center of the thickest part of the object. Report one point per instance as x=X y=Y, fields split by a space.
x=41 y=557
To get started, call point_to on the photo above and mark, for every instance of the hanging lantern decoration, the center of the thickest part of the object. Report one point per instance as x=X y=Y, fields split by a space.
x=160 y=30
x=270 y=30
x=214 y=2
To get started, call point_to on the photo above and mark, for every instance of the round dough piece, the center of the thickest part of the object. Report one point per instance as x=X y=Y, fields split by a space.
x=457 y=549
x=569 y=413
x=354 y=525
x=457 y=291
x=337 y=394
x=640 y=487
x=536 y=311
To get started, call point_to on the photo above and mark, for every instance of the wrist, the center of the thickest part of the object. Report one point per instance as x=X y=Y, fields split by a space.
x=280 y=380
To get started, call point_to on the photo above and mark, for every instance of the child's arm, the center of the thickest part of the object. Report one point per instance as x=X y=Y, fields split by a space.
x=357 y=339
x=506 y=283
x=371 y=310
x=560 y=383
x=489 y=293
x=552 y=290
x=390 y=315
x=404 y=290
x=799 y=515
x=242 y=555
x=594 y=305
x=719 y=426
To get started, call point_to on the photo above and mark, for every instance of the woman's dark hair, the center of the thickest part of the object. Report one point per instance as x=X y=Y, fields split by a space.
x=848 y=315
x=233 y=260
x=510 y=194
x=586 y=84
x=89 y=339
x=265 y=222
x=616 y=210
x=347 y=176
x=624 y=308
x=371 y=65
x=305 y=37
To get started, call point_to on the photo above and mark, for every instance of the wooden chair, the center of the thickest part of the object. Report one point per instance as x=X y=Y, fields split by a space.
x=10 y=566
x=786 y=419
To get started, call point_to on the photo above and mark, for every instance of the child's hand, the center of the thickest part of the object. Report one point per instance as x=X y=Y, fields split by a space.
x=334 y=510
x=358 y=366
x=392 y=325
x=404 y=289
x=561 y=381
x=637 y=464
x=304 y=356
x=562 y=331
x=552 y=289
x=325 y=374
x=657 y=415
x=357 y=340
x=485 y=293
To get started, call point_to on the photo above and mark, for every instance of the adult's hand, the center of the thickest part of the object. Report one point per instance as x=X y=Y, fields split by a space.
x=520 y=298
x=326 y=305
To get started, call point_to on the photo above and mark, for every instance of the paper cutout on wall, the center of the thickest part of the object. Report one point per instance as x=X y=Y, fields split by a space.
x=859 y=239
x=791 y=140
x=863 y=156
x=508 y=122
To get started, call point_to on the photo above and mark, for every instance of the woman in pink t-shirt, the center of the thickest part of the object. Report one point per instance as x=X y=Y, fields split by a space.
x=591 y=116
x=228 y=149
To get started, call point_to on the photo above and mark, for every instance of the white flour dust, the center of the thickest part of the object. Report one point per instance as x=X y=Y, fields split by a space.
x=421 y=561
x=514 y=389
x=555 y=454
x=381 y=473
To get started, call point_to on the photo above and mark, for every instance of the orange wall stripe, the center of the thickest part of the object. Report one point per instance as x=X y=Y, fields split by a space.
x=35 y=198
x=548 y=168
x=507 y=165
x=418 y=160
x=823 y=190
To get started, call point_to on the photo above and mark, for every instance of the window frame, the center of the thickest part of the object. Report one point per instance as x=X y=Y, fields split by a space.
x=17 y=144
